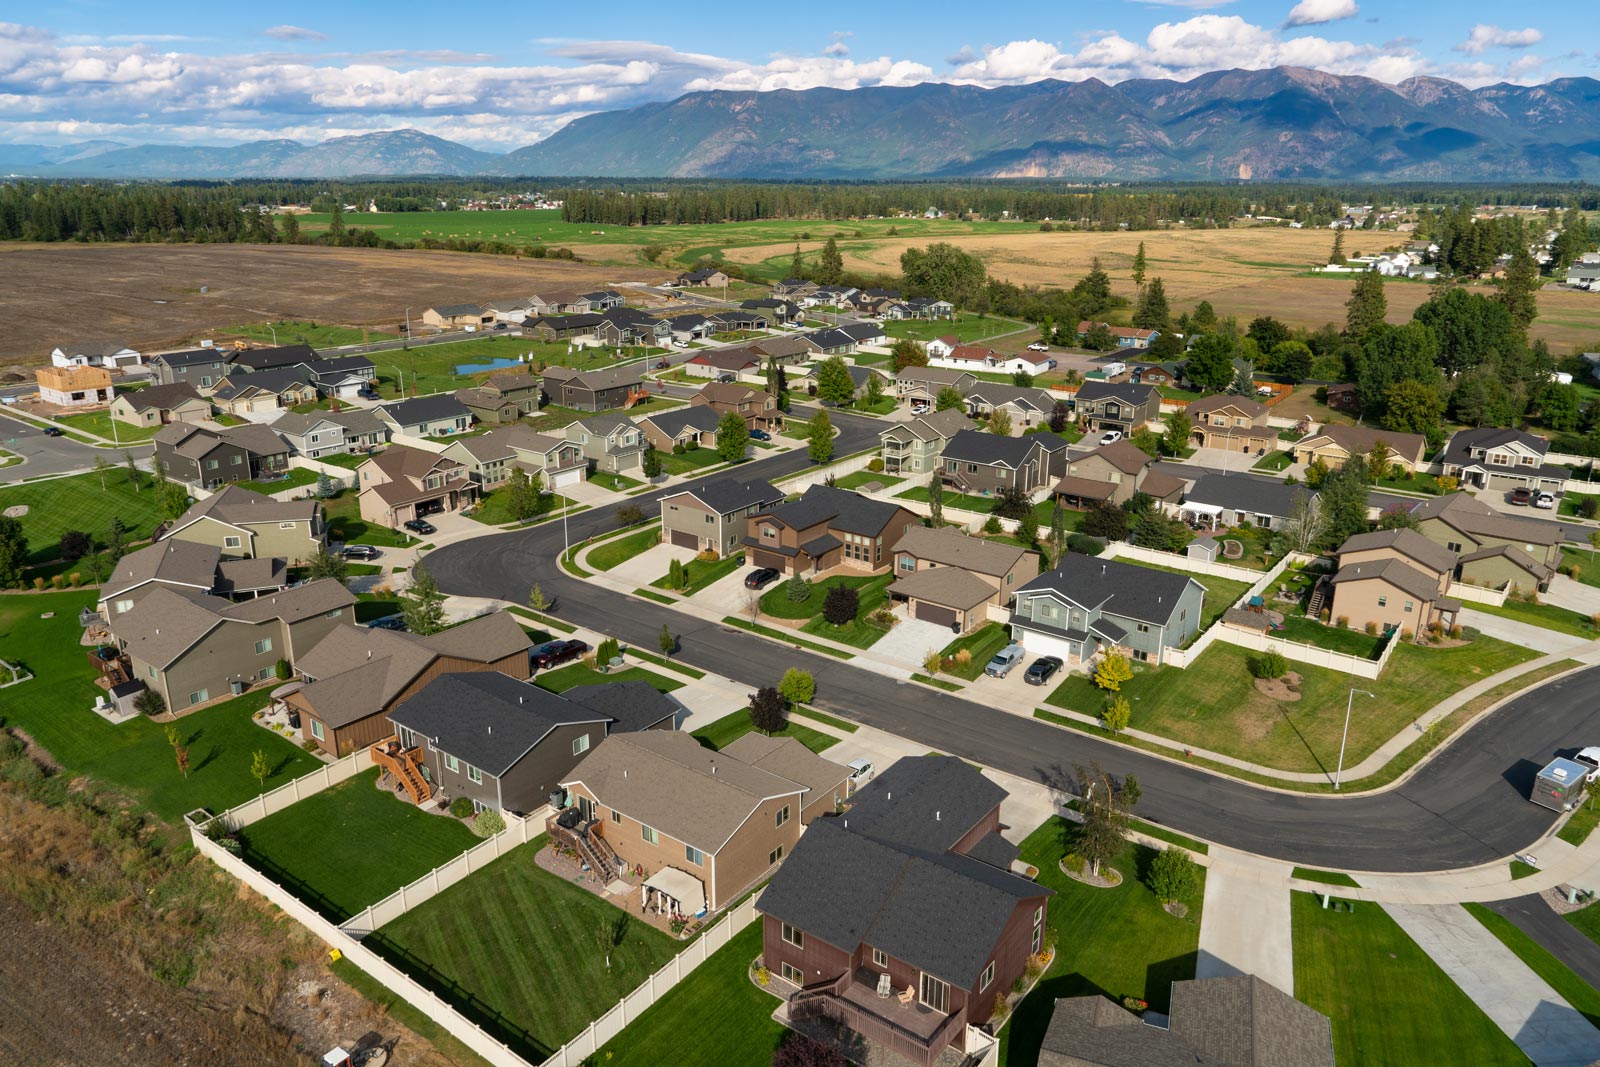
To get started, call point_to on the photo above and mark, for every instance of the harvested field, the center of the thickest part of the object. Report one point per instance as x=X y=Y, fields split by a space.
x=149 y=295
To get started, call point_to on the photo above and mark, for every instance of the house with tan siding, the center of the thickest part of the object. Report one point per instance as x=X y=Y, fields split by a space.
x=1334 y=444
x=187 y=566
x=826 y=528
x=403 y=483
x=1395 y=580
x=1234 y=423
x=948 y=577
x=759 y=409
x=713 y=516
x=1495 y=549
x=161 y=404
x=1113 y=473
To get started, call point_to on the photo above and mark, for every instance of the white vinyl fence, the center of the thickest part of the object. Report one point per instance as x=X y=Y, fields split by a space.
x=1179 y=561
x=1317 y=656
x=799 y=483
x=1477 y=594
x=324 y=777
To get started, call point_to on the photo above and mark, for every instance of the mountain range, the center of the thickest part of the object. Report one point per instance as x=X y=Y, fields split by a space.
x=1276 y=124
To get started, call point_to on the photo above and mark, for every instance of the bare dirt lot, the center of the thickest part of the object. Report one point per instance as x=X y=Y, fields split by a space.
x=150 y=295
x=1242 y=271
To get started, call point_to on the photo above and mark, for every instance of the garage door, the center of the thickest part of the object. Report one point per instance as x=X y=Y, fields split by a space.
x=758 y=558
x=685 y=539
x=568 y=477
x=934 y=613
x=1036 y=644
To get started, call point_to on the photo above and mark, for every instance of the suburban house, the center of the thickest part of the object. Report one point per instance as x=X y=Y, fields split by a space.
x=949 y=352
x=1127 y=337
x=1394 y=579
x=1233 y=1021
x=187 y=566
x=505 y=744
x=207 y=457
x=457 y=316
x=1157 y=373
x=252 y=526
x=563 y=327
x=1113 y=473
x=975 y=461
x=1344 y=396
x=691 y=327
x=510 y=309
x=834 y=341
x=925 y=383
x=693 y=426
x=1235 y=423
x=610 y=442
x=1489 y=458
x=489 y=460
x=712 y=516
x=271 y=357
x=926 y=307
x=561 y=462
x=331 y=433
x=1237 y=499
x=560 y=302
x=595 y=390
x=901 y=920
x=1333 y=444
x=860 y=378
x=112 y=355
x=1495 y=549
x=915 y=447
x=1088 y=603
x=1124 y=406
x=344 y=377
x=828 y=785
x=948 y=577
x=715 y=362
x=794 y=288
x=202 y=368
x=438 y=415
x=1024 y=406
x=403 y=483
x=660 y=801
x=191 y=647
x=704 y=278
x=256 y=392
x=603 y=299
x=625 y=326
x=758 y=408
x=787 y=349
x=161 y=404
x=74 y=387
x=776 y=310
x=824 y=529
x=353 y=677
x=502 y=397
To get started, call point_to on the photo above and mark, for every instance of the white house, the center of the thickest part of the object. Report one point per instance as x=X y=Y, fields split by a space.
x=986 y=360
x=108 y=354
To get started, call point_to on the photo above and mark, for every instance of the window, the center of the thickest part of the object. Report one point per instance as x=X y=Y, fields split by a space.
x=1183 y=613
x=212 y=464
x=1144 y=627
x=1454 y=546
x=694 y=855
x=935 y=993
x=988 y=976
x=774 y=856
x=880 y=958
x=580 y=745
x=1038 y=939
x=264 y=673
x=907 y=563
x=452 y=764
x=710 y=518
x=616 y=816
x=794 y=937
x=334 y=614
x=316 y=729
x=474 y=775
x=286 y=525
x=1383 y=602
x=782 y=816
x=200 y=696
x=231 y=542
x=791 y=973
x=263 y=646
x=151 y=671
x=1408 y=607
x=123 y=605
x=650 y=834
x=235 y=459
x=1038 y=915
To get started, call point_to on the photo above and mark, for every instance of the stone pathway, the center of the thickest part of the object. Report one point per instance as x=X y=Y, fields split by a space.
x=1244 y=927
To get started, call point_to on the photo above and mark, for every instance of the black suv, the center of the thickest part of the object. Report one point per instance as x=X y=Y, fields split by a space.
x=760 y=578
x=1042 y=670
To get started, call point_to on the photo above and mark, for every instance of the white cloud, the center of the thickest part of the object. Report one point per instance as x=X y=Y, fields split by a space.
x=1317 y=12
x=1485 y=37
x=838 y=47
x=293 y=33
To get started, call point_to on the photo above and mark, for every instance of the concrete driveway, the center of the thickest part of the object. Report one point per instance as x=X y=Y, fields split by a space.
x=1244 y=928
x=650 y=564
x=1574 y=596
x=911 y=639
x=1520 y=633
x=728 y=595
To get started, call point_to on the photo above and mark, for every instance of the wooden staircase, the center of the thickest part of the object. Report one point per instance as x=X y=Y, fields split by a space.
x=591 y=847
x=1319 y=597
x=405 y=765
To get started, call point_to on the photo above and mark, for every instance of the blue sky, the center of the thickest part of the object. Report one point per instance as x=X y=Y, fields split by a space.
x=497 y=77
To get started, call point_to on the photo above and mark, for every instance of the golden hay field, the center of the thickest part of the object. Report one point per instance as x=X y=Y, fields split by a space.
x=1243 y=272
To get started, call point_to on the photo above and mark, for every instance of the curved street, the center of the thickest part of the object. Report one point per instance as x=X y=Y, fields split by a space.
x=1466 y=806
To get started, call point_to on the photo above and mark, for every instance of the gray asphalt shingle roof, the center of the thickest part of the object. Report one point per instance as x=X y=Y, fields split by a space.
x=488 y=719
x=728 y=495
x=1244 y=492
x=1118 y=588
x=839 y=508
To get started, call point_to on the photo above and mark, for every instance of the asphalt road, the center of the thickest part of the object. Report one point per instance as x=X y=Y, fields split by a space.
x=1467 y=806
x=50 y=455
x=1534 y=917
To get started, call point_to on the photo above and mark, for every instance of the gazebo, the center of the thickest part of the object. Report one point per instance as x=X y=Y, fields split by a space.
x=673 y=892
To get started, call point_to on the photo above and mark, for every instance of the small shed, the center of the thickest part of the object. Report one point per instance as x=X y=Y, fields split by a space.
x=1203 y=548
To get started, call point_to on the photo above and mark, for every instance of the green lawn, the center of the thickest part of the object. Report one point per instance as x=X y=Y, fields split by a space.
x=54 y=710
x=615 y=482
x=563 y=678
x=494 y=507
x=1221 y=593
x=1581 y=823
x=621 y=549
x=347 y=460
x=1311 y=632
x=1569 y=986
x=1113 y=942
x=301 y=332
x=1311 y=874
x=857 y=633
x=1416 y=483
x=345 y=523
x=1587 y=920
x=983 y=643
x=1546 y=615
x=701 y=573
x=81 y=502
x=984 y=505
x=1390 y=1003
x=776 y=603
x=294 y=478
x=1273 y=461
x=882 y=407
x=967 y=327
x=99 y=423
x=785 y=636
x=1215 y=705
x=722 y=733
x=350 y=846
x=1585 y=562
x=860 y=478
x=431 y=368
x=514 y=948
x=696 y=459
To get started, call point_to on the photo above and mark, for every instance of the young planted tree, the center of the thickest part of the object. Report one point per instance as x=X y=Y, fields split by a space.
x=936 y=500
x=874 y=390
x=1058 y=416
x=1000 y=422
x=948 y=397
x=1117 y=714
x=327 y=564
x=181 y=754
x=259 y=767
x=629 y=515
x=326 y=486
x=1113 y=670
x=537 y=600
x=1056 y=546
x=1012 y=503
x=116 y=538
x=797 y=686
x=769 y=712
x=102 y=467
x=522 y=499
x=173 y=499
x=423 y=603
x=1176 y=436
x=652 y=463
x=133 y=469
x=677 y=578
x=1028 y=529
x=733 y=437
x=819 y=438
x=1103 y=834
x=666 y=642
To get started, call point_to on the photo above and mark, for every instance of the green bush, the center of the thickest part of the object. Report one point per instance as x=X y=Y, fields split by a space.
x=797 y=686
x=841 y=604
x=797 y=589
x=488 y=823
x=461 y=807
x=1074 y=862
x=1085 y=545
x=1269 y=665
x=1173 y=875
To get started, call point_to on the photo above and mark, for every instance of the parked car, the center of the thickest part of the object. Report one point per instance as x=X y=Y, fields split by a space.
x=1544 y=501
x=393 y=622
x=680 y=344
x=499 y=325
x=860 y=769
x=760 y=577
x=1038 y=346
x=421 y=526
x=760 y=435
x=1110 y=437
x=53 y=431
x=1003 y=661
x=1590 y=758
x=360 y=552
x=919 y=407
x=1042 y=670
x=724 y=379
x=1523 y=496
x=554 y=653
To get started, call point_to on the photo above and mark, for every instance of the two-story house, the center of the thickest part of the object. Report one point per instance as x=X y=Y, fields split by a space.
x=902 y=920
x=1123 y=406
x=202 y=368
x=159 y=405
x=1025 y=407
x=1088 y=603
x=704 y=278
x=191 y=648
x=912 y=448
x=73 y=387
x=658 y=800
x=923 y=384
x=1235 y=423
x=609 y=442
x=248 y=525
x=207 y=458
x=344 y=377
x=489 y=460
x=438 y=415
x=187 y=566
x=824 y=529
x=330 y=433
x=505 y=744
x=1113 y=473
x=595 y=390
x=1334 y=444
x=946 y=577
x=693 y=426
x=977 y=462
x=502 y=397
x=560 y=302
x=712 y=516
x=758 y=408
x=1394 y=579
x=1494 y=549
x=559 y=461
x=403 y=483
x=1501 y=459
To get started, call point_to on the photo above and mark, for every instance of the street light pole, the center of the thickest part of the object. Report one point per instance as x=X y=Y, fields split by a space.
x=407 y=342
x=401 y=376
x=1339 y=773
x=274 y=330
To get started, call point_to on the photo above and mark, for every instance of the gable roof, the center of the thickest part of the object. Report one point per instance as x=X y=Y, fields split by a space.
x=271 y=380
x=420 y=409
x=788 y=758
x=1410 y=543
x=1477 y=519
x=605 y=423
x=1117 y=588
x=93 y=348
x=1127 y=392
x=1458 y=450
x=934 y=426
x=784 y=346
x=190 y=356
x=596 y=380
x=980 y=446
x=453 y=310
x=951 y=548
x=260 y=359
x=1217 y=401
x=1244 y=492
x=484 y=639
x=932 y=375
x=1358 y=440
x=488 y=719
x=166 y=623
x=728 y=358
x=728 y=495
x=841 y=509
x=730 y=393
x=629 y=705
x=951 y=587
x=1397 y=572
x=189 y=563
x=1124 y=455
x=403 y=462
x=242 y=507
x=995 y=394
x=160 y=397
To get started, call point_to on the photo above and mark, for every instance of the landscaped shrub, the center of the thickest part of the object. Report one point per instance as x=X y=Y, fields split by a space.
x=796 y=589
x=992 y=526
x=882 y=619
x=707 y=556
x=488 y=823
x=875 y=465
x=39 y=584
x=76 y=578
x=769 y=712
x=963 y=657
x=1173 y=875
x=461 y=807
x=1371 y=628
x=149 y=702
x=1455 y=631
x=56 y=580
x=1002 y=1008
x=1269 y=665
x=1085 y=545
x=1344 y=622
x=282 y=671
x=1407 y=635
x=1074 y=862
x=841 y=604
x=1589 y=507
x=1324 y=615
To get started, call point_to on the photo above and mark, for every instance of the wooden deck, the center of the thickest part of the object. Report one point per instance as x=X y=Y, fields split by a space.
x=405 y=766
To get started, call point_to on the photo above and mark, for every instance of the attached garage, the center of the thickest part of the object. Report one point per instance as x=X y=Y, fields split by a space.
x=685 y=539
x=570 y=476
x=934 y=613
x=945 y=596
x=1038 y=644
x=760 y=557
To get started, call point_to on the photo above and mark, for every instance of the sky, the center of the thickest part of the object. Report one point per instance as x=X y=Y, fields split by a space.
x=500 y=76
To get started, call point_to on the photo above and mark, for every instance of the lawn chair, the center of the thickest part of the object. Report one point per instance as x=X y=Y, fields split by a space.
x=909 y=995
x=885 y=986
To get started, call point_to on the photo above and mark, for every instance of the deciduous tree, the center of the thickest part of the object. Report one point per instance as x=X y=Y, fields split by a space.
x=769 y=712
x=423 y=603
x=733 y=437
x=819 y=438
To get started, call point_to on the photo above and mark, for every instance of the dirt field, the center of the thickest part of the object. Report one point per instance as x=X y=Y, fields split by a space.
x=1243 y=272
x=149 y=295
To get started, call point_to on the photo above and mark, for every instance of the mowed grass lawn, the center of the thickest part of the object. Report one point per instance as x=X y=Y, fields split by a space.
x=345 y=523
x=1215 y=705
x=776 y=603
x=431 y=368
x=1390 y=1004
x=967 y=327
x=54 y=710
x=563 y=678
x=350 y=846
x=514 y=947
x=1116 y=942
x=1221 y=593
x=99 y=423
x=699 y=573
x=1546 y=615
x=728 y=729
x=981 y=644
x=81 y=503
x=621 y=549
